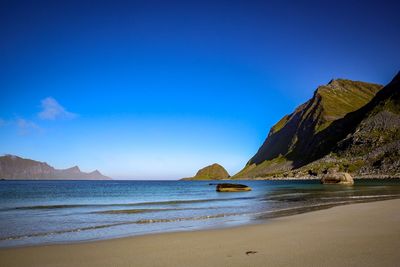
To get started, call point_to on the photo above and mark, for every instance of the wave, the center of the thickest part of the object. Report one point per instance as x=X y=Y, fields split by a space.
x=49 y=207
x=288 y=194
x=131 y=211
x=260 y=215
x=325 y=205
x=363 y=197
x=205 y=217
x=41 y=234
x=143 y=221
x=152 y=203
x=134 y=211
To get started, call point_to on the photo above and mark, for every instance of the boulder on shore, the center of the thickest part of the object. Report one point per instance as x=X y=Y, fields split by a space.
x=232 y=188
x=337 y=178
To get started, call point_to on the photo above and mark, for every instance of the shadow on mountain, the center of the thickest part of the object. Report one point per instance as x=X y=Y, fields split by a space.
x=327 y=140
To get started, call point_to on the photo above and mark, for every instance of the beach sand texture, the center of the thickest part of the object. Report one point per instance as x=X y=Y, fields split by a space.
x=366 y=234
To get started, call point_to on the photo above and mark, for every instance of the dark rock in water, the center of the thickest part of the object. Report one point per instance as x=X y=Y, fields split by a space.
x=232 y=187
x=337 y=178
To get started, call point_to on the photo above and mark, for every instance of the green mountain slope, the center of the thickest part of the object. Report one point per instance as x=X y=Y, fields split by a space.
x=312 y=131
x=365 y=142
x=211 y=172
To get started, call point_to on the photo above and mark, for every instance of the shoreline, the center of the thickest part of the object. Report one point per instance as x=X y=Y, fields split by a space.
x=260 y=221
x=365 y=234
x=300 y=178
x=316 y=178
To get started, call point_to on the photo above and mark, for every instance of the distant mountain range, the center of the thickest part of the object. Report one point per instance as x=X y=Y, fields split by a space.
x=17 y=168
x=347 y=125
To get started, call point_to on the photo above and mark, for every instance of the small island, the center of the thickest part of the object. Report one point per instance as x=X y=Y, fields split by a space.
x=211 y=172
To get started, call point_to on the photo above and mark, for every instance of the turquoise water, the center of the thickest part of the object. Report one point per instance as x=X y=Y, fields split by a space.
x=42 y=212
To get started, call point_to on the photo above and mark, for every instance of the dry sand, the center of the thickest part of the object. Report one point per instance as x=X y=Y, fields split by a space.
x=365 y=234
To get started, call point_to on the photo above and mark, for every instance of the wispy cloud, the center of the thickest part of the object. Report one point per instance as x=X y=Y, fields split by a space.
x=52 y=110
x=26 y=127
x=2 y=122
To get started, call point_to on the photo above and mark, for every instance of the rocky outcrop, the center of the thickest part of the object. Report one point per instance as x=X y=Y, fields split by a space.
x=337 y=178
x=352 y=126
x=232 y=188
x=17 y=168
x=211 y=172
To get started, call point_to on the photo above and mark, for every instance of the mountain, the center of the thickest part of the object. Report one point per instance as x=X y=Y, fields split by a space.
x=16 y=168
x=347 y=125
x=211 y=172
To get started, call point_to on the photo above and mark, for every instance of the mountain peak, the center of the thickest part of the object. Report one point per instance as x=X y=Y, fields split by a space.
x=344 y=85
x=339 y=81
x=14 y=167
x=334 y=82
x=216 y=165
x=293 y=135
x=396 y=78
x=74 y=169
x=10 y=156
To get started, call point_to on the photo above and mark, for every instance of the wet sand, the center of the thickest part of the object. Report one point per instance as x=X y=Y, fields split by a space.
x=366 y=234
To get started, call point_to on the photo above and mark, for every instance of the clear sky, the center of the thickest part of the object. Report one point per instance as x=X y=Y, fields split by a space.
x=159 y=89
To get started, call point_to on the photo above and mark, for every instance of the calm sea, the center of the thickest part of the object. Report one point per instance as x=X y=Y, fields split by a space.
x=42 y=212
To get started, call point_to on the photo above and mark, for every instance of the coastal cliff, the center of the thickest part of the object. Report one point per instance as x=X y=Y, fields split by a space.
x=17 y=168
x=348 y=125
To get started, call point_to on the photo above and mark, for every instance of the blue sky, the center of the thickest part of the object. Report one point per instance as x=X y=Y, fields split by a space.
x=159 y=89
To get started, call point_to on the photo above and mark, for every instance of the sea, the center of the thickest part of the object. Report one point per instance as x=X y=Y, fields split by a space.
x=53 y=212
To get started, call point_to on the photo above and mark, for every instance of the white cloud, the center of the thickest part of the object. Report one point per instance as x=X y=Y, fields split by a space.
x=52 y=110
x=25 y=126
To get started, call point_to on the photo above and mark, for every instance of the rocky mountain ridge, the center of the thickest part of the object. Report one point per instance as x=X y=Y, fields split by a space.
x=17 y=168
x=348 y=125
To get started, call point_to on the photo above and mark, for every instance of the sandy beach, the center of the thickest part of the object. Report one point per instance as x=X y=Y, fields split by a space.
x=366 y=234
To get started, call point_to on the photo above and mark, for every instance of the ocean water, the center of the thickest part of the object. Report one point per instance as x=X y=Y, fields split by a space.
x=43 y=212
